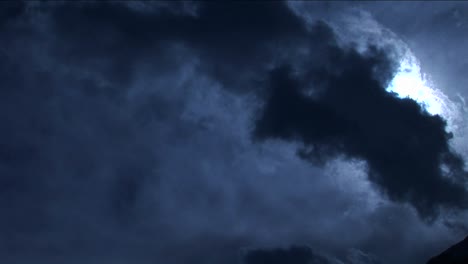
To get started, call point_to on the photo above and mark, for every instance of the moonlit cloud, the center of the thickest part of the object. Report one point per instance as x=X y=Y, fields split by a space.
x=236 y=133
x=410 y=82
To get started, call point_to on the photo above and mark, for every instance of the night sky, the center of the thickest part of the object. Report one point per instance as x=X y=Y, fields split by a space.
x=232 y=132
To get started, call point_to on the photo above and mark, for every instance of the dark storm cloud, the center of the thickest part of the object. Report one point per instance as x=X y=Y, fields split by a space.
x=303 y=255
x=349 y=113
x=10 y=10
x=293 y=255
x=125 y=136
x=227 y=37
x=86 y=140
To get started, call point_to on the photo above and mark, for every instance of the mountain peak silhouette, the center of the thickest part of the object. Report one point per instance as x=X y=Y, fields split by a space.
x=456 y=254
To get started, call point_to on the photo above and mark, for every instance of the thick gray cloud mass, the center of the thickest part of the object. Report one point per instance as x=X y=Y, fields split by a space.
x=127 y=137
x=351 y=114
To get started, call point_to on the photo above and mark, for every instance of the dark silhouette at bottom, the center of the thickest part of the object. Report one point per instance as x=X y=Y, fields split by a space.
x=456 y=254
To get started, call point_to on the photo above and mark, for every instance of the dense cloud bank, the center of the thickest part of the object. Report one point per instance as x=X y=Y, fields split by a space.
x=293 y=255
x=339 y=107
x=186 y=132
x=304 y=255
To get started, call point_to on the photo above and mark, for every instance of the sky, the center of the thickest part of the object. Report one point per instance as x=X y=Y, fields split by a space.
x=232 y=133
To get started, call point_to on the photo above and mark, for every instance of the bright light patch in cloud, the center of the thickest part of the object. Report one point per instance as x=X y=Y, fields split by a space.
x=410 y=82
